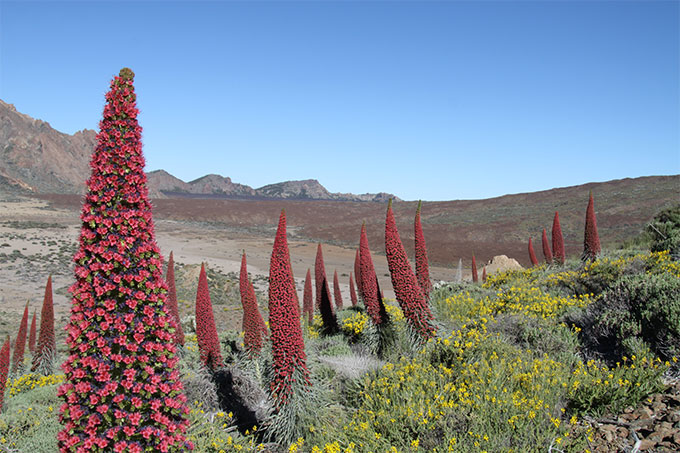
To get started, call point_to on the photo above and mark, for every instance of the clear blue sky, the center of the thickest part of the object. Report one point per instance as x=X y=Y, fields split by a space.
x=431 y=100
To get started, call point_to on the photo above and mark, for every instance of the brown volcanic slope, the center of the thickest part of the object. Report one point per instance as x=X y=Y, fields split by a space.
x=453 y=229
x=38 y=158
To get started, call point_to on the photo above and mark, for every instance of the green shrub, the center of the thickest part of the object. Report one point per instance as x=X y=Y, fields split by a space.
x=664 y=230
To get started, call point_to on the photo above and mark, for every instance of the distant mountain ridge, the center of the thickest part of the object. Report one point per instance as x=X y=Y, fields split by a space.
x=35 y=157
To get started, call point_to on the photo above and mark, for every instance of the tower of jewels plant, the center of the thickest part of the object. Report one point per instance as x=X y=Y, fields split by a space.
x=532 y=254
x=173 y=308
x=206 y=330
x=557 y=241
x=288 y=348
x=308 y=299
x=409 y=295
x=254 y=328
x=46 y=349
x=352 y=291
x=32 y=334
x=369 y=286
x=546 y=248
x=422 y=267
x=4 y=369
x=336 y=291
x=122 y=390
x=20 y=344
x=591 y=240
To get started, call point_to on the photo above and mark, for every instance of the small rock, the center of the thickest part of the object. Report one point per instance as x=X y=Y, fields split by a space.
x=646 y=444
x=628 y=410
x=622 y=432
x=629 y=416
x=646 y=412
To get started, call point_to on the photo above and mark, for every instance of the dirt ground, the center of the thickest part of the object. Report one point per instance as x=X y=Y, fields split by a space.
x=38 y=240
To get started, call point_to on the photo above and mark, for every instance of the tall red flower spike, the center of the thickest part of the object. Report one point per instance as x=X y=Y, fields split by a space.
x=475 y=279
x=336 y=291
x=409 y=295
x=288 y=348
x=32 y=335
x=307 y=299
x=328 y=318
x=484 y=274
x=20 y=344
x=47 y=347
x=253 y=324
x=591 y=240
x=357 y=270
x=319 y=275
x=369 y=281
x=206 y=331
x=4 y=369
x=532 y=254
x=546 y=248
x=422 y=268
x=122 y=390
x=352 y=291
x=173 y=308
x=557 y=240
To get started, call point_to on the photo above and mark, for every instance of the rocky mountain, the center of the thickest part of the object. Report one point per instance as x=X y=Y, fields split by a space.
x=36 y=158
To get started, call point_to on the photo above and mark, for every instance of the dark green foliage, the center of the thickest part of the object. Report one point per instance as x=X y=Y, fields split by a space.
x=664 y=230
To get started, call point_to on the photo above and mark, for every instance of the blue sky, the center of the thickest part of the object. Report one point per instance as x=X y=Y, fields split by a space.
x=432 y=100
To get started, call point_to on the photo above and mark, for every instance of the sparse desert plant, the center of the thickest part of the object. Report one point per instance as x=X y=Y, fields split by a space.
x=32 y=335
x=422 y=267
x=20 y=344
x=122 y=390
x=46 y=349
x=173 y=308
x=557 y=241
x=206 y=330
x=475 y=277
x=546 y=248
x=532 y=254
x=352 y=291
x=336 y=291
x=409 y=295
x=591 y=240
x=307 y=298
x=4 y=369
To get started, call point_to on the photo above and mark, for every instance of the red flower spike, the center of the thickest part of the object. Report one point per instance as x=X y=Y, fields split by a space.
x=557 y=240
x=4 y=369
x=369 y=281
x=46 y=347
x=319 y=275
x=357 y=270
x=254 y=327
x=20 y=344
x=173 y=308
x=352 y=291
x=475 y=279
x=32 y=335
x=206 y=331
x=422 y=268
x=336 y=291
x=122 y=390
x=532 y=254
x=591 y=240
x=546 y=248
x=307 y=299
x=484 y=274
x=409 y=295
x=288 y=347
x=328 y=318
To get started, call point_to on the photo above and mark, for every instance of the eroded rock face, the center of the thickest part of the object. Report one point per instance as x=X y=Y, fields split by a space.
x=502 y=263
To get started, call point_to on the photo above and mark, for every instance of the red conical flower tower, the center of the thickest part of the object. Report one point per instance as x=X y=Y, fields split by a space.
x=47 y=348
x=20 y=344
x=288 y=348
x=206 y=331
x=307 y=299
x=409 y=295
x=532 y=254
x=254 y=327
x=484 y=274
x=32 y=335
x=319 y=275
x=422 y=268
x=357 y=270
x=369 y=282
x=546 y=248
x=352 y=291
x=475 y=278
x=173 y=308
x=4 y=369
x=557 y=240
x=591 y=240
x=122 y=389
x=336 y=291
